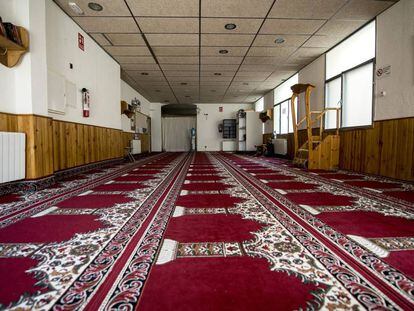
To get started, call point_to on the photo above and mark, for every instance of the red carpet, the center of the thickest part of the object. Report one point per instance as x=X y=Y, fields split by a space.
x=208 y=200
x=210 y=228
x=119 y=187
x=94 y=201
x=195 y=186
x=403 y=195
x=204 y=178
x=231 y=242
x=320 y=198
x=372 y=184
x=369 y=224
x=224 y=284
x=9 y=198
x=47 y=229
x=291 y=185
x=19 y=281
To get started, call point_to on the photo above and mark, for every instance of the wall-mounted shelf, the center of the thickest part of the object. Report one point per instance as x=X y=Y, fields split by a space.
x=126 y=109
x=11 y=52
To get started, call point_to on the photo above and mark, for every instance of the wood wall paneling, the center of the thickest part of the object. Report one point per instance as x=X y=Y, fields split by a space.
x=386 y=148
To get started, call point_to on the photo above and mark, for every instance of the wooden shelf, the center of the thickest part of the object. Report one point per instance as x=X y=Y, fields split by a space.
x=11 y=52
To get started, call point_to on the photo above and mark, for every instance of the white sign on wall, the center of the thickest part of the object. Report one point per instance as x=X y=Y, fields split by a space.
x=383 y=72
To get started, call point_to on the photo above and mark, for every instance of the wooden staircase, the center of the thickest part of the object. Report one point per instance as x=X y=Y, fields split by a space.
x=319 y=151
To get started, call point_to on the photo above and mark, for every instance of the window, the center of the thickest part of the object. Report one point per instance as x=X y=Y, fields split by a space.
x=259 y=105
x=282 y=123
x=276 y=119
x=349 y=74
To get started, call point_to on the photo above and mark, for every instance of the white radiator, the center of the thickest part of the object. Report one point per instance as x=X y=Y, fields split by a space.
x=280 y=146
x=12 y=156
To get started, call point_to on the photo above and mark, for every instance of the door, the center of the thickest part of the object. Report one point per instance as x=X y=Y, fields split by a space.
x=176 y=133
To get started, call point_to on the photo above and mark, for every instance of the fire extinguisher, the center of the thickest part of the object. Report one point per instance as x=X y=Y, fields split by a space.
x=85 y=102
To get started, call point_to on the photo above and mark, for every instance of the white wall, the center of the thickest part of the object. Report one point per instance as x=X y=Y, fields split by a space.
x=24 y=87
x=314 y=74
x=208 y=136
x=395 y=47
x=92 y=69
x=128 y=94
x=269 y=100
x=156 y=133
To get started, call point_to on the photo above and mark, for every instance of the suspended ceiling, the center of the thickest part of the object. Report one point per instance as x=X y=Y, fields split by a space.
x=169 y=50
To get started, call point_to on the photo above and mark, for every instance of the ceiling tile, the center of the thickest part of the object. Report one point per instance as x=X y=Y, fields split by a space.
x=168 y=25
x=362 y=9
x=125 y=39
x=247 y=68
x=185 y=79
x=291 y=26
x=100 y=39
x=290 y=40
x=175 y=67
x=110 y=8
x=339 y=28
x=245 y=86
x=215 y=51
x=264 y=60
x=243 y=26
x=219 y=68
x=321 y=41
x=282 y=52
x=128 y=50
x=107 y=24
x=221 y=60
x=315 y=9
x=250 y=79
x=176 y=50
x=308 y=52
x=135 y=59
x=170 y=74
x=143 y=67
x=216 y=79
x=178 y=60
x=235 y=8
x=172 y=39
x=164 y=7
x=191 y=85
x=261 y=74
x=226 y=40
x=219 y=73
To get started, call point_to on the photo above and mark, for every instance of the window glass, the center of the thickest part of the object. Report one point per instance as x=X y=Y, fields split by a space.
x=284 y=117
x=333 y=95
x=283 y=91
x=259 y=105
x=357 y=96
x=355 y=50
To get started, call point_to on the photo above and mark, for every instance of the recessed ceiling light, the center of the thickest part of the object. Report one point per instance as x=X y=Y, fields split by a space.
x=95 y=6
x=230 y=26
x=144 y=73
x=279 y=40
x=217 y=74
x=75 y=8
x=223 y=51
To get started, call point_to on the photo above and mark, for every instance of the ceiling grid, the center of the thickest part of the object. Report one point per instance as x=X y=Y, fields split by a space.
x=214 y=51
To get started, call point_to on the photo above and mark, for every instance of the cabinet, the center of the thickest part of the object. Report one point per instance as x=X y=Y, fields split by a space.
x=249 y=131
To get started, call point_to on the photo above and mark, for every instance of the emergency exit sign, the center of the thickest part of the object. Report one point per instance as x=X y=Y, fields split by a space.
x=81 y=42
